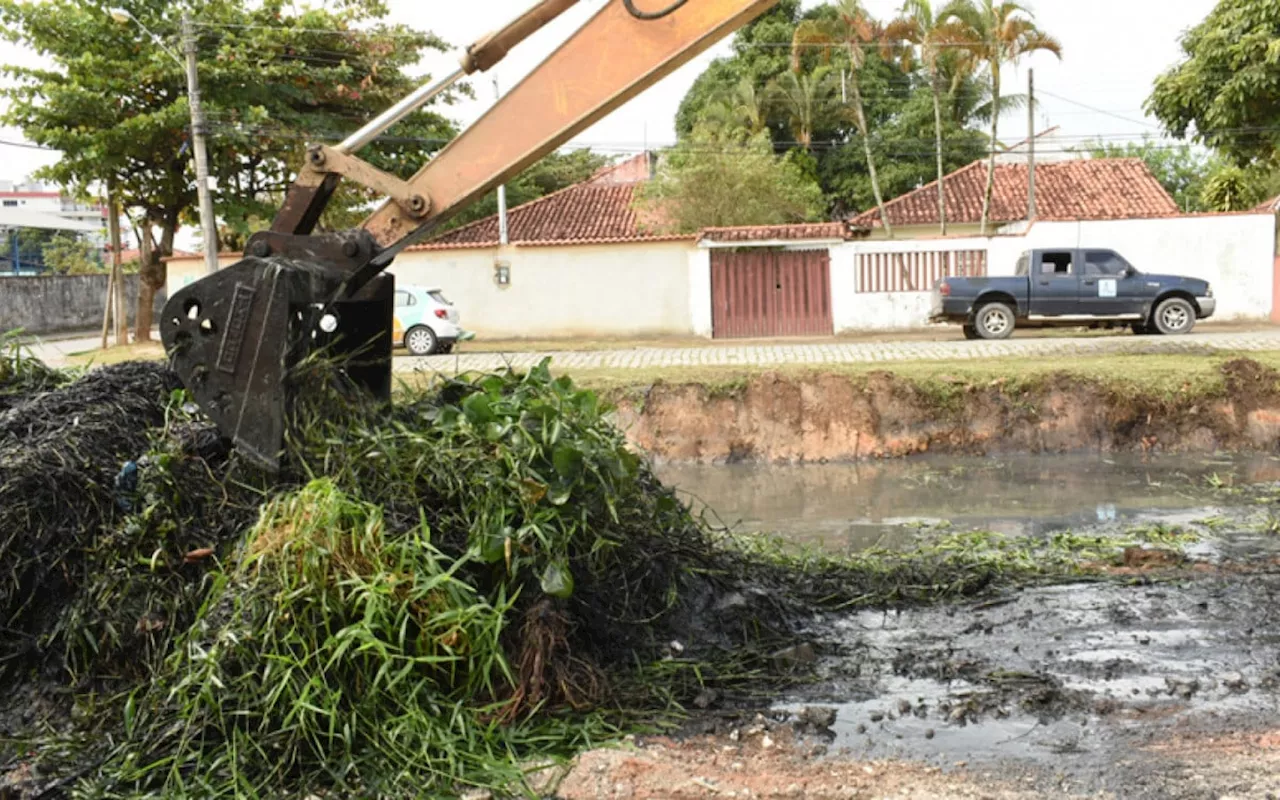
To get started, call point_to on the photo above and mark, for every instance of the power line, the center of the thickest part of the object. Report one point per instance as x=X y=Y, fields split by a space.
x=1096 y=110
x=29 y=146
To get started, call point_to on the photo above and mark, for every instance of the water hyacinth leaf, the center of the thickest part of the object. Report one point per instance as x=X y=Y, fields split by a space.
x=568 y=461
x=494 y=544
x=477 y=409
x=541 y=374
x=557 y=580
x=493 y=385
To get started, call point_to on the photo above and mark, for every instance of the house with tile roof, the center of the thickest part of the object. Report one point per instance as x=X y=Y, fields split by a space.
x=1076 y=190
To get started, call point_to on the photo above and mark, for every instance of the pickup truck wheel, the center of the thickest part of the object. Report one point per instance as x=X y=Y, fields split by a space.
x=1174 y=316
x=994 y=321
x=970 y=332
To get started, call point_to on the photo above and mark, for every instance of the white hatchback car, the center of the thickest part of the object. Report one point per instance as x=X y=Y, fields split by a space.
x=425 y=321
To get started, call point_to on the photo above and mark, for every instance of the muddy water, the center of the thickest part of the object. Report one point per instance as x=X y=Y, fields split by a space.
x=1069 y=687
x=846 y=507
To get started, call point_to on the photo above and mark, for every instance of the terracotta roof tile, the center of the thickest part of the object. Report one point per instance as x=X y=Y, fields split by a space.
x=585 y=213
x=1272 y=205
x=756 y=233
x=1105 y=188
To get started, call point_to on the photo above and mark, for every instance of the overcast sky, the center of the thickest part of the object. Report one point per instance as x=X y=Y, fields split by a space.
x=1112 y=50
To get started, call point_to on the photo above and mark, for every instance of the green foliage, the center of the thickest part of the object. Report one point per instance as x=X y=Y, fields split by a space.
x=735 y=92
x=21 y=373
x=1229 y=188
x=761 y=53
x=554 y=172
x=717 y=178
x=1225 y=90
x=411 y=622
x=273 y=76
x=68 y=254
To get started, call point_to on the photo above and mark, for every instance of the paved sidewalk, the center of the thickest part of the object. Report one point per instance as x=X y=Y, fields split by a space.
x=837 y=352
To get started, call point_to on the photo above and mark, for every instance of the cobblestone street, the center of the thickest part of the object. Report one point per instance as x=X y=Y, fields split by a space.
x=838 y=352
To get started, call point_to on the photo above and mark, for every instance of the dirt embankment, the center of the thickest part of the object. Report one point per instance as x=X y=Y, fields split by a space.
x=775 y=418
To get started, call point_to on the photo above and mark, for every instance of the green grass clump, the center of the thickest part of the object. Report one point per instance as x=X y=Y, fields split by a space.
x=22 y=374
x=337 y=655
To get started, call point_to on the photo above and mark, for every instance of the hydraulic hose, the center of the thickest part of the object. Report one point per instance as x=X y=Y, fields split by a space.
x=638 y=14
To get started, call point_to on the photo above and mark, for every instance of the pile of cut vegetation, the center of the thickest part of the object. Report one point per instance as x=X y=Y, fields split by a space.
x=427 y=598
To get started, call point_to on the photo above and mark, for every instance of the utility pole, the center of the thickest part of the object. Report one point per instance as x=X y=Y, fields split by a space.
x=1031 y=144
x=208 y=224
x=503 y=234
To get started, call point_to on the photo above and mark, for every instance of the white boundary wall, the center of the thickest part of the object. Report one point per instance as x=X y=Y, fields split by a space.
x=1234 y=252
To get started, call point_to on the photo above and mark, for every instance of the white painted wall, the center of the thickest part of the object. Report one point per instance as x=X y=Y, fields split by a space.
x=700 y=291
x=1234 y=252
x=641 y=289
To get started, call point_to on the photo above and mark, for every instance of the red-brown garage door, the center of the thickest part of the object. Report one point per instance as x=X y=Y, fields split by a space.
x=757 y=292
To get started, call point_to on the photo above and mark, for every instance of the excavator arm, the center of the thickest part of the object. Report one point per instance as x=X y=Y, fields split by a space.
x=236 y=337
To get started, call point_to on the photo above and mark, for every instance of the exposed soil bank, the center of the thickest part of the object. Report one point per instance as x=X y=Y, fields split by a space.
x=776 y=418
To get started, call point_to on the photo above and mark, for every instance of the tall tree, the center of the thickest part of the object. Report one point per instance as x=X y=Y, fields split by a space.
x=716 y=178
x=1225 y=89
x=741 y=107
x=997 y=33
x=273 y=77
x=760 y=54
x=854 y=30
x=807 y=99
x=919 y=35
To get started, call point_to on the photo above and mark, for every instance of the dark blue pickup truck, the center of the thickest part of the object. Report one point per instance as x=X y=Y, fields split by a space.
x=1064 y=287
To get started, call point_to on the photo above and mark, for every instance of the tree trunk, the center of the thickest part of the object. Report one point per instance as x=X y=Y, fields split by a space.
x=871 y=162
x=151 y=277
x=937 y=130
x=991 y=159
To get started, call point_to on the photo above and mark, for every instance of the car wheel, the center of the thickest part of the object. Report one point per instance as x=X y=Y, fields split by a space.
x=421 y=340
x=1174 y=316
x=970 y=332
x=994 y=321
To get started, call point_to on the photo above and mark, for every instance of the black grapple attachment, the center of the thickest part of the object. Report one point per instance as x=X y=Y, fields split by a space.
x=235 y=337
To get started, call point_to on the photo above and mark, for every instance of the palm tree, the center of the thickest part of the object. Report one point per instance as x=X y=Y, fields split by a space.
x=934 y=40
x=807 y=99
x=852 y=29
x=997 y=33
